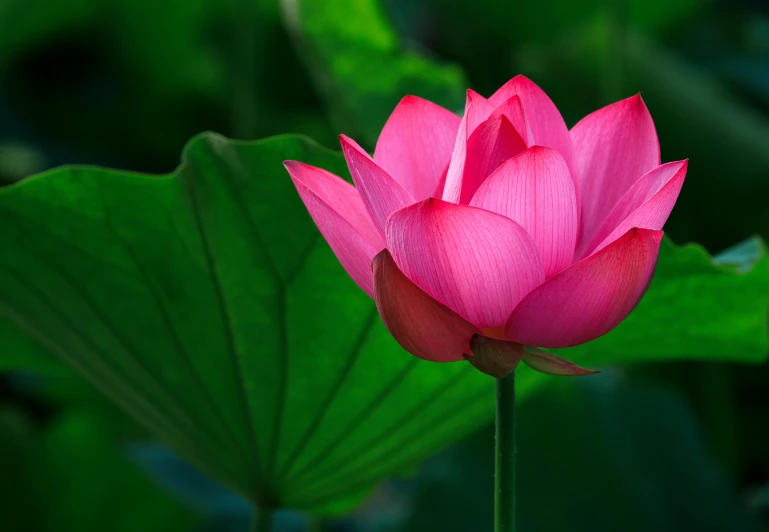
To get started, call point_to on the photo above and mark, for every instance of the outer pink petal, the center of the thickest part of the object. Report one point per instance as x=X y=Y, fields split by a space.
x=477 y=263
x=535 y=189
x=547 y=125
x=492 y=143
x=477 y=110
x=614 y=147
x=338 y=211
x=380 y=193
x=591 y=297
x=512 y=108
x=421 y=325
x=415 y=145
x=647 y=204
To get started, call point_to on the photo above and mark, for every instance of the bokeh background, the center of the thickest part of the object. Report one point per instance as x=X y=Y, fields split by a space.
x=126 y=83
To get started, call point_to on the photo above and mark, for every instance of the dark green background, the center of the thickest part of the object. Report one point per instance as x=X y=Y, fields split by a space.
x=679 y=440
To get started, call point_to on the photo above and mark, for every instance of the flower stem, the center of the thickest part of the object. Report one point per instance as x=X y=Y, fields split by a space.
x=504 y=474
x=262 y=519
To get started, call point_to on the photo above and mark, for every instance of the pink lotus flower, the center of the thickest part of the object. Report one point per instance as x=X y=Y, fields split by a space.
x=502 y=222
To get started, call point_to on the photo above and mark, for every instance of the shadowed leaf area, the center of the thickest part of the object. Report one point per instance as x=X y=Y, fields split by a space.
x=46 y=467
x=593 y=462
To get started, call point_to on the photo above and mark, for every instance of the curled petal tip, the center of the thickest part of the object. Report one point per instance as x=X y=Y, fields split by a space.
x=551 y=364
x=471 y=95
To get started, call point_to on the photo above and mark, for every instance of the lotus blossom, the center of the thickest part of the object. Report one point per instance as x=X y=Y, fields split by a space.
x=503 y=222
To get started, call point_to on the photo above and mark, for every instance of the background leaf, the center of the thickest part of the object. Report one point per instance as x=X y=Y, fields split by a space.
x=361 y=89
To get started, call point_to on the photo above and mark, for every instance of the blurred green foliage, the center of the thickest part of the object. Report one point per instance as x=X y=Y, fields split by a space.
x=63 y=477
x=127 y=83
x=600 y=455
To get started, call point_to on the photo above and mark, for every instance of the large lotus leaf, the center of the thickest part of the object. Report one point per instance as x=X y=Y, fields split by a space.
x=206 y=304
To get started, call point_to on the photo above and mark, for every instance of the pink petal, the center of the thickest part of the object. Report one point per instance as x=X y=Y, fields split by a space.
x=415 y=145
x=421 y=325
x=589 y=298
x=535 y=189
x=492 y=143
x=339 y=213
x=614 y=147
x=544 y=119
x=380 y=193
x=477 y=110
x=647 y=204
x=477 y=263
x=512 y=108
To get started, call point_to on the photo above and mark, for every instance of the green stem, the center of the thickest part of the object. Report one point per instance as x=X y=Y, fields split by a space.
x=504 y=474
x=262 y=519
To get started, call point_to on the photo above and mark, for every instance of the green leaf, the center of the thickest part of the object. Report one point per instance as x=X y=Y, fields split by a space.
x=21 y=351
x=206 y=304
x=360 y=67
x=73 y=475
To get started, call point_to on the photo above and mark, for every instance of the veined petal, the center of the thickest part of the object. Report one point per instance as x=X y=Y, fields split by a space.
x=512 y=108
x=380 y=193
x=647 y=204
x=477 y=263
x=614 y=147
x=415 y=145
x=492 y=143
x=341 y=217
x=420 y=324
x=535 y=189
x=477 y=110
x=589 y=298
x=546 y=123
